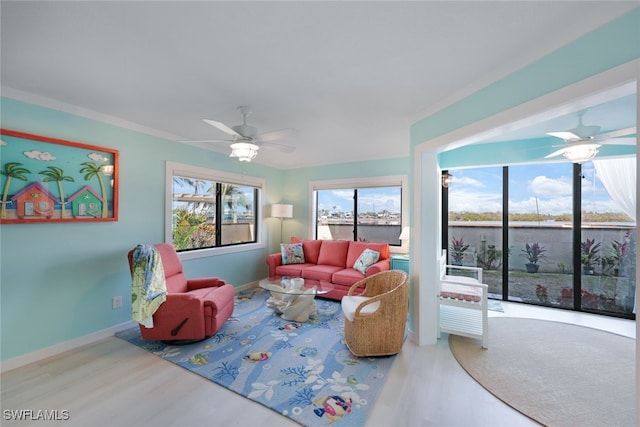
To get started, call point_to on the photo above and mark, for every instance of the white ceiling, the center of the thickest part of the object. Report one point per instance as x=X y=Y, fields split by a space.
x=350 y=77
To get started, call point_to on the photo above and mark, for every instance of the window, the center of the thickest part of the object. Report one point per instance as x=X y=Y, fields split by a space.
x=369 y=210
x=211 y=211
x=569 y=232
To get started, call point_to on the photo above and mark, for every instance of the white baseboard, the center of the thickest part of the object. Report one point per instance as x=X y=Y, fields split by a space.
x=56 y=349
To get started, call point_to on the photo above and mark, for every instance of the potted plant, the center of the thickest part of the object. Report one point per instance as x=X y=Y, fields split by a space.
x=533 y=253
x=589 y=255
x=458 y=247
x=542 y=293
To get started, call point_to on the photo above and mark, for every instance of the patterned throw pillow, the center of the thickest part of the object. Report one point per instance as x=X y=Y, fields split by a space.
x=367 y=258
x=292 y=253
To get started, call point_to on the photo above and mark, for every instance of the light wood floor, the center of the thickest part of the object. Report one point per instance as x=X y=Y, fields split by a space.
x=113 y=383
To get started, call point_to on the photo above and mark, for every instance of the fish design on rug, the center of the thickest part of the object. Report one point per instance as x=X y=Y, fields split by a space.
x=257 y=356
x=333 y=407
x=199 y=359
x=307 y=351
x=290 y=326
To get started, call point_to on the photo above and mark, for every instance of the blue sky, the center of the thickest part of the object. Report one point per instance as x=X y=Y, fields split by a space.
x=370 y=200
x=546 y=188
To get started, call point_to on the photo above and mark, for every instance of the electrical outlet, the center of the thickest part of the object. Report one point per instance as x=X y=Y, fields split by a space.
x=116 y=302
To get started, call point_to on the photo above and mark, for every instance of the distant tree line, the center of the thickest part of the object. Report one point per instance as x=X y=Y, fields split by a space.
x=533 y=217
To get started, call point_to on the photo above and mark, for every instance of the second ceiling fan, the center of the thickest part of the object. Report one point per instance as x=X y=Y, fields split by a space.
x=582 y=142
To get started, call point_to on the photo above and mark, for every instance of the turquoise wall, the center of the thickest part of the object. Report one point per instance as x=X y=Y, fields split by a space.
x=57 y=280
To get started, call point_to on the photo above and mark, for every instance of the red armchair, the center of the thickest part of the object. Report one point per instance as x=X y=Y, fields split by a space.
x=194 y=309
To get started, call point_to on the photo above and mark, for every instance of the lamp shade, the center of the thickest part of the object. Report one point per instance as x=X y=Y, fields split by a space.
x=281 y=211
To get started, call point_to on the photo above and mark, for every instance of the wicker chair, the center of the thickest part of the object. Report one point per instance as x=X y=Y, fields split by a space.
x=375 y=320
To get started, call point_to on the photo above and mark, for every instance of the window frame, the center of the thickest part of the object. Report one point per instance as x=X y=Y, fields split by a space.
x=354 y=183
x=184 y=170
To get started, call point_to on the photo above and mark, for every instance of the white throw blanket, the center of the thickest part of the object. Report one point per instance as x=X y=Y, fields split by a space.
x=149 y=287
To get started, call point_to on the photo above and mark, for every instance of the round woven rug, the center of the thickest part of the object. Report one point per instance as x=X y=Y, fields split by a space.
x=555 y=373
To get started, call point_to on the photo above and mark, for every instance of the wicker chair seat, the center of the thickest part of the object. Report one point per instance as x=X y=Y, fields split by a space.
x=375 y=321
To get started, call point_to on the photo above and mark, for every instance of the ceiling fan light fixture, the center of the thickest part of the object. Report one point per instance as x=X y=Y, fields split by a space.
x=581 y=153
x=244 y=151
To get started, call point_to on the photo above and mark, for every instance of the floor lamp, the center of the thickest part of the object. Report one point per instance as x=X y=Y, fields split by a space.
x=281 y=211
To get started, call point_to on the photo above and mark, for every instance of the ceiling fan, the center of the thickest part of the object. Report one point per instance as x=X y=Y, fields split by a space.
x=582 y=142
x=246 y=140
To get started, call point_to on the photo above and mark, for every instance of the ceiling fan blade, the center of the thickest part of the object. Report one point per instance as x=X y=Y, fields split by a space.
x=556 y=153
x=619 y=141
x=617 y=133
x=279 y=147
x=224 y=128
x=198 y=141
x=567 y=136
x=276 y=134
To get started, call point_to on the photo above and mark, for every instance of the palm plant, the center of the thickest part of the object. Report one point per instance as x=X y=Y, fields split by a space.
x=91 y=170
x=589 y=254
x=458 y=248
x=54 y=173
x=534 y=253
x=11 y=170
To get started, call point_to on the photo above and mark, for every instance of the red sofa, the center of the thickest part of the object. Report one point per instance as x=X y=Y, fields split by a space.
x=330 y=261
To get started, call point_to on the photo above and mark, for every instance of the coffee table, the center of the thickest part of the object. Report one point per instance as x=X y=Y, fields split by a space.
x=291 y=301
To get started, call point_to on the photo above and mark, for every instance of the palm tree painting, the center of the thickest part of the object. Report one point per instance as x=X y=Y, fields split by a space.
x=91 y=170
x=11 y=170
x=54 y=173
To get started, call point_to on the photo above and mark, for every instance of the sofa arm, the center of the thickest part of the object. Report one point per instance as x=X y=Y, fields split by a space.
x=379 y=266
x=273 y=260
x=205 y=282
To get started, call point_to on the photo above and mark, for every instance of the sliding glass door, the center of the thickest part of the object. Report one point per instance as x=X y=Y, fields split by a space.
x=567 y=241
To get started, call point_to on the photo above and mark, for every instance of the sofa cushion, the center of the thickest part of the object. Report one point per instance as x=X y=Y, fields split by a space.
x=292 y=253
x=346 y=277
x=367 y=258
x=334 y=253
x=294 y=270
x=460 y=291
x=356 y=249
x=320 y=272
x=311 y=249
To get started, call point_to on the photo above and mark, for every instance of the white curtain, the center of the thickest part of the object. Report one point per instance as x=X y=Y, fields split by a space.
x=619 y=179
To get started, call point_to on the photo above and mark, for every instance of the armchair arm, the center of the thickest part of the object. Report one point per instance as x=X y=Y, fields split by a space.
x=273 y=260
x=379 y=266
x=477 y=270
x=359 y=283
x=181 y=303
x=205 y=282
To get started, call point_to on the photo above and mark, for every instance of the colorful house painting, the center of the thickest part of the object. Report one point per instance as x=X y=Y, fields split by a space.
x=86 y=203
x=34 y=202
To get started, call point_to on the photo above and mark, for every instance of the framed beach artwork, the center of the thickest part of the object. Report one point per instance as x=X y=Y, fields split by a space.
x=45 y=179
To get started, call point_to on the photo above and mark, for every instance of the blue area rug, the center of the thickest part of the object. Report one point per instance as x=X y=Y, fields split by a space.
x=303 y=371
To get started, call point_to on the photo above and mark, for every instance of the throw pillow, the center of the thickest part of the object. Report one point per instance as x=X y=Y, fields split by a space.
x=292 y=253
x=367 y=258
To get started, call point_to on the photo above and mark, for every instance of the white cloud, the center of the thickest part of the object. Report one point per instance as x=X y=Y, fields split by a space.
x=97 y=157
x=550 y=187
x=465 y=180
x=39 y=155
x=472 y=201
x=2 y=142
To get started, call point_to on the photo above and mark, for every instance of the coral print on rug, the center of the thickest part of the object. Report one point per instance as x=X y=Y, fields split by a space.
x=303 y=371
